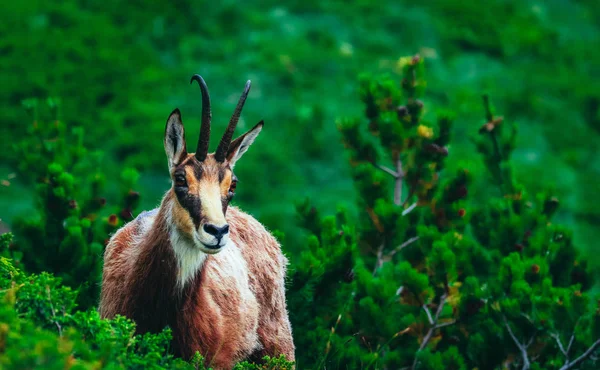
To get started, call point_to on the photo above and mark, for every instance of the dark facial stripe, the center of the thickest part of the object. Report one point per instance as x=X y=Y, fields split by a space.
x=225 y=204
x=196 y=169
x=185 y=161
x=194 y=165
x=190 y=203
x=221 y=174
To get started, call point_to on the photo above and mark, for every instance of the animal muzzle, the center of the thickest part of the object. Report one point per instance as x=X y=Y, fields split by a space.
x=213 y=237
x=217 y=231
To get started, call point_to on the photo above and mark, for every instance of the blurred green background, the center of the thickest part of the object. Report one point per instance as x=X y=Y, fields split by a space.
x=119 y=68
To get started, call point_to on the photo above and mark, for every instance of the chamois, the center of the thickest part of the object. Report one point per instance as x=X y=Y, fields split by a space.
x=209 y=271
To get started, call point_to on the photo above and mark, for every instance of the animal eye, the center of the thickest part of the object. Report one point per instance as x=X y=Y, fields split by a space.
x=180 y=181
x=232 y=187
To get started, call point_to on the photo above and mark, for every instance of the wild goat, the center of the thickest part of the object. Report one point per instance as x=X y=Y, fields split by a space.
x=209 y=271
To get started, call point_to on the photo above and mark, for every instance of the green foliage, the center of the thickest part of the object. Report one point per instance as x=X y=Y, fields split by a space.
x=67 y=232
x=439 y=282
x=269 y=363
x=426 y=279
x=322 y=282
x=40 y=328
x=483 y=234
x=119 y=69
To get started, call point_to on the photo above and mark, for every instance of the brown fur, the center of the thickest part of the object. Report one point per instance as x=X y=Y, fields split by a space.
x=213 y=274
x=211 y=314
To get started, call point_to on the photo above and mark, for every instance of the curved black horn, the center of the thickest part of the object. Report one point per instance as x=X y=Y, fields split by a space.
x=204 y=139
x=226 y=140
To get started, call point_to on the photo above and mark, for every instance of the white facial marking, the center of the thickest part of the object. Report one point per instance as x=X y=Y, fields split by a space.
x=189 y=257
x=210 y=198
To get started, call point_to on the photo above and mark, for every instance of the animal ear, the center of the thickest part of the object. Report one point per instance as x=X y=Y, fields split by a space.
x=175 y=139
x=240 y=145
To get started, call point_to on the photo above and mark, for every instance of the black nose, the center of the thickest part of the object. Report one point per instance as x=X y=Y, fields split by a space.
x=216 y=231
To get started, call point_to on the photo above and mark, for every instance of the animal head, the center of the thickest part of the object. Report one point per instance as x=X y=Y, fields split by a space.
x=203 y=184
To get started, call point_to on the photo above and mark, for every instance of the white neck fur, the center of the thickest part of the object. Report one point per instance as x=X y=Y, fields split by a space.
x=189 y=258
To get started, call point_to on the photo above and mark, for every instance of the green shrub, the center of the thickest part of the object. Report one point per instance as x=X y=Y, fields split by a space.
x=121 y=67
x=66 y=233
x=427 y=279
x=436 y=273
x=40 y=328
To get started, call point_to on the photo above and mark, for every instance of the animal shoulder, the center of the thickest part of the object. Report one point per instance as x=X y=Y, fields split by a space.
x=127 y=238
x=259 y=247
x=250 y=233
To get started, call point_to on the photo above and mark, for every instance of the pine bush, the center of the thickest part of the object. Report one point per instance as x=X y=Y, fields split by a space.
x=436 y=272
x=66 y=233
x=41 y=328
x=427 y=278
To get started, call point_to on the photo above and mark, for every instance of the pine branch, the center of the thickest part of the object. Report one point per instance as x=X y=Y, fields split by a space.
x=404 y=245
x=53 y=312
x=413 y=186
x=572 y=337
x=385 y=169
x=398 y=186
x=522 y=348
x=380 y=255
x=398 y=175
x=434 y=325
x=571 y=340
x=583 y=357
x=531 y=340
x=409 y=209
x=444 y=324
x=426 y=309
x=379 y=261
x=560 y=346
x=527 y=318
x=438 y=312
